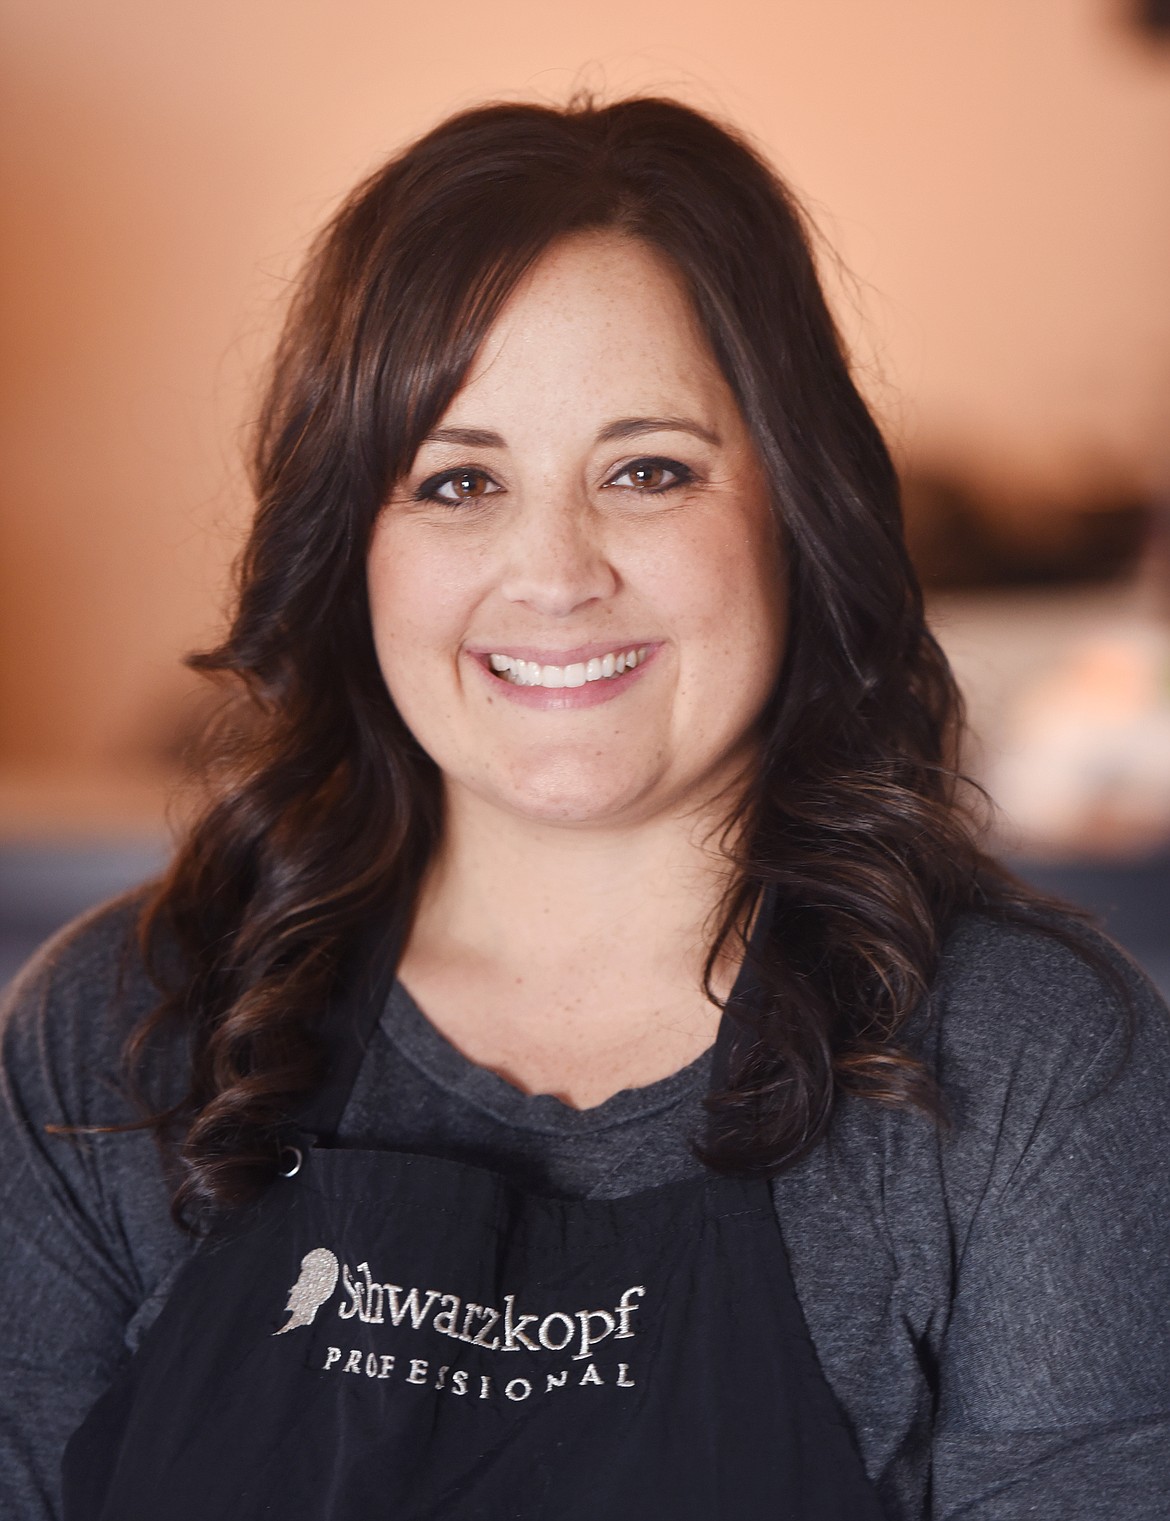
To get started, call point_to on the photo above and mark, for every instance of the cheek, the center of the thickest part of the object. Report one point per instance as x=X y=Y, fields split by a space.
x=725 y=585
x=419 y=608
x=415 y=623
x=419 y=602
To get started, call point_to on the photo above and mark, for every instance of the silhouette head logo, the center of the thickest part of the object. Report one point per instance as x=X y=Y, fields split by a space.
x=315 y=1282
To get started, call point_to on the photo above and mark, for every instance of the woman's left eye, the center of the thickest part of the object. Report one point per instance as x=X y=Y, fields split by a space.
x=651 y=476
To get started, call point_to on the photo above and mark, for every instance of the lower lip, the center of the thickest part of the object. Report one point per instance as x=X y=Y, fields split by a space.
x=588 y=696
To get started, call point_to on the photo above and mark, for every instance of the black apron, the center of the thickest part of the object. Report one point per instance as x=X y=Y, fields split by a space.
x=400 y=1336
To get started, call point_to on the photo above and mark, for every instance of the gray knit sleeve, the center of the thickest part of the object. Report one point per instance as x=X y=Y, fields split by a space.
x=1053 y=1378
x=84 y=1228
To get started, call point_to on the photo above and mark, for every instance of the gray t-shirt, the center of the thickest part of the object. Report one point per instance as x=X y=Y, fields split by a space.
x=990 y=1301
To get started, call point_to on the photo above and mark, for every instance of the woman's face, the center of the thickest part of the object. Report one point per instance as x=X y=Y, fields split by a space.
x=592 y=491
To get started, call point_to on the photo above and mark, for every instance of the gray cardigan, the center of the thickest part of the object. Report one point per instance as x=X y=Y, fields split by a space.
x=990 y=1301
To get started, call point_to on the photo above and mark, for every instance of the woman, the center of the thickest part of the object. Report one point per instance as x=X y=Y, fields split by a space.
x=582 y=653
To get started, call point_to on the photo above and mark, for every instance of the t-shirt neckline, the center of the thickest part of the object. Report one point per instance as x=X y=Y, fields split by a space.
x=425 y=1046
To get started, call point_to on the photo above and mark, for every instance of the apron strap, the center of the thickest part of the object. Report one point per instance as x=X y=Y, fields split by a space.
x=351 y=1019
x=733 y=1033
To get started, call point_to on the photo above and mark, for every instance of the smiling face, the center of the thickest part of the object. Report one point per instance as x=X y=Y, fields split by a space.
x=591 y=494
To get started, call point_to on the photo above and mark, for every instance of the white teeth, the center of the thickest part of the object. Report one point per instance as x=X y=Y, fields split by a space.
x=527 y=673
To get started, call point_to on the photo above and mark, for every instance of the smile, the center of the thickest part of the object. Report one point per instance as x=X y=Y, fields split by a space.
x=528 y=673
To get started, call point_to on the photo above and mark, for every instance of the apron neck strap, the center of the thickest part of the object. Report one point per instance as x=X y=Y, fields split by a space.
x=734 y=1033
x=351 y=1019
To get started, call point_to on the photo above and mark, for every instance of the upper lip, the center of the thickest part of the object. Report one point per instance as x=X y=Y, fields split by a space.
x=573 y=656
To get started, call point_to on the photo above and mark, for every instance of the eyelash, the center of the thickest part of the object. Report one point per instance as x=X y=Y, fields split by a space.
x=429 y=490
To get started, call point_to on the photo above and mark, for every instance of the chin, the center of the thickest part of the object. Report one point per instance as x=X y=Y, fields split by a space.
x=568 y=793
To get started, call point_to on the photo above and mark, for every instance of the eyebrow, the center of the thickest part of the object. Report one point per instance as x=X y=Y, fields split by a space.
x=622 y=427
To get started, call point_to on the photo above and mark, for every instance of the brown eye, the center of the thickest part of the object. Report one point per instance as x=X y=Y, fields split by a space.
x=468 y=483
x=457 y=486
x=653 y=476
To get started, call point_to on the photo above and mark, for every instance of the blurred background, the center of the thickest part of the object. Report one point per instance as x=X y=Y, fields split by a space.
x=992 y=183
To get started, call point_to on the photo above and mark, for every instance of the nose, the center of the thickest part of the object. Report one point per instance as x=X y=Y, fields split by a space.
x=556 y=558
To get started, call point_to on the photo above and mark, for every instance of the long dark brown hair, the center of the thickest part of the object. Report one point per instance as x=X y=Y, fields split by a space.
x=326 y=811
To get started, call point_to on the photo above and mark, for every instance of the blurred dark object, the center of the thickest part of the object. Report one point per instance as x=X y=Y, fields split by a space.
x=1131 y=900
x=1154 y=16
x=44 y=884
x=962 y=541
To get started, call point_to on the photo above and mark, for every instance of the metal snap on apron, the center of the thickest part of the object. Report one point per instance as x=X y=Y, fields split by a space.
x=400 y=1336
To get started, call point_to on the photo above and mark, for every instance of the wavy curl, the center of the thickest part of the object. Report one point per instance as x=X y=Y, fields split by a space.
x=324 y=811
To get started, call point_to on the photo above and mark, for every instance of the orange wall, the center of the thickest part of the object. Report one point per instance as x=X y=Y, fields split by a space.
x=997 y=176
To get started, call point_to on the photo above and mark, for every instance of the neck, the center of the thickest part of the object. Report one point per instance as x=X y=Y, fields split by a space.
x=546 y=899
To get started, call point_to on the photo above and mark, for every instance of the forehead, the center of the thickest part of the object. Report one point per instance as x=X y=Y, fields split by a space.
x=600 y=317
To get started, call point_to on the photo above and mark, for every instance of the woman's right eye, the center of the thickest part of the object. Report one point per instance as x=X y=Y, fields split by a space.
x=454 y=487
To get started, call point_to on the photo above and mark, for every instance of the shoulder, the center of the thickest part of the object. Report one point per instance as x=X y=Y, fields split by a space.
x=86 y=1240
x=98 y=943
x=1052 y=1053
x=63 y=1030
x=1023 y=1017
x=66 y=1016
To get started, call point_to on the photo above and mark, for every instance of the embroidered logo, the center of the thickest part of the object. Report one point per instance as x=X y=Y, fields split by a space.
x=315 y=1283
x=564 y=1341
